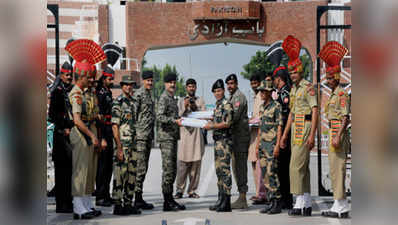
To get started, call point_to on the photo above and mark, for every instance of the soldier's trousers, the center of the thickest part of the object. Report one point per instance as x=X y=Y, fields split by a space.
x=337 y=164
x=62 y=157
x=269 y=171
x=143 y=153
x=124 y=176
x=299 y=163
x=239 y=164
x=84 y=164
x=283 y=173
x=105 y=164
x=169 y=165
x=222 y=158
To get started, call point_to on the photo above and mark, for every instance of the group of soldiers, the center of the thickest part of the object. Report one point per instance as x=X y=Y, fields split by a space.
x=88 y=123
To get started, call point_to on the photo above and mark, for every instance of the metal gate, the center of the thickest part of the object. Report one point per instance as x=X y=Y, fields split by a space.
x=337 y=30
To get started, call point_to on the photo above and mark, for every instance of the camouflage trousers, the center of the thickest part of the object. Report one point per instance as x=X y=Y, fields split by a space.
x=124 y=176
x=143 y=153
x=222 y=158
x=169 y=165
x=269 y=171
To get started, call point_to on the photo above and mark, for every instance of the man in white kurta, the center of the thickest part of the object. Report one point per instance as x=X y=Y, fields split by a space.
x=191 y=144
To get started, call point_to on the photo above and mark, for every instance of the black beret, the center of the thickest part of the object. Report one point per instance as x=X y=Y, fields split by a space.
x=147 y=74
x=218 y=84
x=255 y=77
x=231 y=77
x=66 y=67
x=170 y=76
x=190 y=81
x=108 y=72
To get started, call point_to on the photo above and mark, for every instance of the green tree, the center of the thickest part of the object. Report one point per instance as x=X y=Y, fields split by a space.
x=259 y=63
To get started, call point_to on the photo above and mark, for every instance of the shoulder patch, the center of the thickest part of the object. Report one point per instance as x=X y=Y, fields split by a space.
x=286 y=100
x=237 y=104
x=341 y=93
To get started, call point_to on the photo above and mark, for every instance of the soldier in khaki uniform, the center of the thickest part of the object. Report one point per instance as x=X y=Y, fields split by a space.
x=168 y=135
x=125 y=162
x=84 y=140
x=222 y=134
x=303 y=122
x=240 y=138
x=337 y=112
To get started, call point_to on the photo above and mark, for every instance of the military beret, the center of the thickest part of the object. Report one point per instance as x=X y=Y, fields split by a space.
x=170 y=76
x=190 y=81
x=147 y=74
x=266 y=85
x=108 y=72
x=231 y=77
x=66 y=67
x=218 y=84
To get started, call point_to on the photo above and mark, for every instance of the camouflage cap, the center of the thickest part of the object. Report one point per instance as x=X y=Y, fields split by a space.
x=266 y=85
x=127 y=79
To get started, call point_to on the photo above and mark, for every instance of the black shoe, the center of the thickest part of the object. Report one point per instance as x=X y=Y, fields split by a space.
x=95 y=212
x=307 y=211
x=168 y=204
x=140 y=203
x=334 y=214
x=131 y=210
x=178 y=195
x=103 y=202
x=294 y=212
x=118 y=210
x=225 y=205
x=260 y=202
x=276 y=207
x=95 y=193
x=267 y=208
x=179 y=206
x=84 y=216
x=286 y=205
x=218 y=202
x=64 y=210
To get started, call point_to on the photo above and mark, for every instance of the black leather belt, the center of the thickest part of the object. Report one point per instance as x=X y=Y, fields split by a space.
x=219 y=137
x=306 y=117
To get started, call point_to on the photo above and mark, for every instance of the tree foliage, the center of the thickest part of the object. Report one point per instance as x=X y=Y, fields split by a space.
x=260 y=64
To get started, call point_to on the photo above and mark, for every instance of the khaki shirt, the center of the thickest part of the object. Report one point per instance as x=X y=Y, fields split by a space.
x=303 y=98
x=337 y=106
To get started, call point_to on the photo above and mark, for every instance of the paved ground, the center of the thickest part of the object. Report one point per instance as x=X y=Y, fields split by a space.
x=197 y=209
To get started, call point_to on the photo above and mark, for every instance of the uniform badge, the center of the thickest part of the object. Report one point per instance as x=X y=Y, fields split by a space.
x=78 y=100
x=342 y=101
x=237 y=104
x=341 y=93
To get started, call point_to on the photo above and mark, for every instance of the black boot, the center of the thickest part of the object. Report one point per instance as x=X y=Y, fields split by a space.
x=140 y=203
x=218 y=202
x=131 y=210
x=225 y=205
x=267 y=207
x=276 y=207
x=295 y=212
x=167 y=204
x=118 y=210
x=179 y=206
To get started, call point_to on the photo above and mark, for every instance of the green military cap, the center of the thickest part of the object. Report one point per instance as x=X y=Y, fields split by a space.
x=265 y=85
x=127 y=79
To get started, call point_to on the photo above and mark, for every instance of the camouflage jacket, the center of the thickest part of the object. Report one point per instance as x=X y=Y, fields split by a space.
x=166 y=114
x=223 y=113
x=240 y=124
x=270 y=119
x=144 y=114
x=123 y=116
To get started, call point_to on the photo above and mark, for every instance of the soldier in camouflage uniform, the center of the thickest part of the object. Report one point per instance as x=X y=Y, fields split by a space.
x=168 y=135
x=145 y=122
x=84 y=140
x=241 y=140
x=269 y=134
x=302 y=120
x=222 y=135
x=337 y=112
x=125 y=162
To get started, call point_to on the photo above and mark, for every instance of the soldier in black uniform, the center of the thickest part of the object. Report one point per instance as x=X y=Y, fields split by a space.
x=282 y=84
x=105 y=159
x=62 y=155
